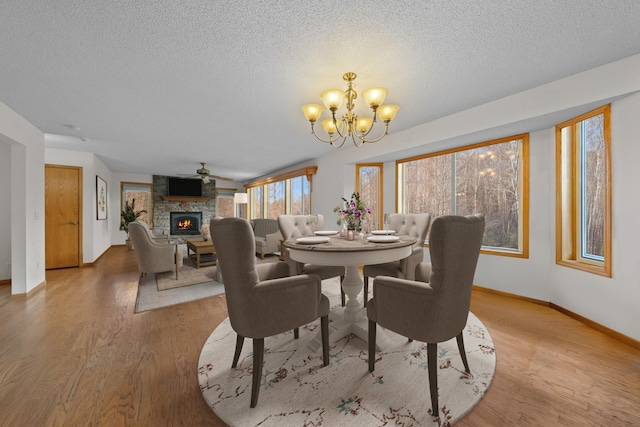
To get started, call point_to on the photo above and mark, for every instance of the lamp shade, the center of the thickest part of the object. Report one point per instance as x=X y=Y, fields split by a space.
x=312 y=111
x=388 y=112
x=364 y=124
x=332 y=98
x=328 y=126
x=240 y=198
x=374 y=97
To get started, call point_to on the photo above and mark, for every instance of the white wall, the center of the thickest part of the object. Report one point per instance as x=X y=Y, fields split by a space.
x=26 y=201
x=613 y=302
x=5 y=210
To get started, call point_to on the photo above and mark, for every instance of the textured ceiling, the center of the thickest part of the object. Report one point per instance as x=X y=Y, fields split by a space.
x=157 y=86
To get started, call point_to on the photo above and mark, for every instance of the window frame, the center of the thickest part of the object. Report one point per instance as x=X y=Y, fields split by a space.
x=380 y=195
x=523 y=220
x=569 y=187
x=286 y=177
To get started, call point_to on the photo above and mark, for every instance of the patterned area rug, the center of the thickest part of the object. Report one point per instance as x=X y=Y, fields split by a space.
x=297 y=390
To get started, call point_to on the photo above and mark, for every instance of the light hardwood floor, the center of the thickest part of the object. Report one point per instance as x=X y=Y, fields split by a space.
x=75 y=354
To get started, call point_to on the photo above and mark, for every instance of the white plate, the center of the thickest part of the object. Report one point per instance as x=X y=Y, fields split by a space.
x=383 y=239
x=312 y=240
x=382 y=232
x=326 y=233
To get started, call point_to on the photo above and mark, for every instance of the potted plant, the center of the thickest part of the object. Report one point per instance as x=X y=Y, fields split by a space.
x=129 y=215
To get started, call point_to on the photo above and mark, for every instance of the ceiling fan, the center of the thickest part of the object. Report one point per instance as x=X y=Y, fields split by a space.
x=205 y=175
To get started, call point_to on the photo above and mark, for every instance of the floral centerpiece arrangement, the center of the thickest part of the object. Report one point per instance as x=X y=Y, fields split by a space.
x=353 y=213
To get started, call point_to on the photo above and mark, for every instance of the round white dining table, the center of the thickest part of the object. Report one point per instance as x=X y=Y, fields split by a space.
x=351 y=319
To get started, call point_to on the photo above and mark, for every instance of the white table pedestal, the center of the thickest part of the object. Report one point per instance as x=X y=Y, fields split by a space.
x=352 y=318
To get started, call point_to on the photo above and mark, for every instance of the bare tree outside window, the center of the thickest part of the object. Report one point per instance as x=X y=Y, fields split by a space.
x=479 y=179
x=369 y=182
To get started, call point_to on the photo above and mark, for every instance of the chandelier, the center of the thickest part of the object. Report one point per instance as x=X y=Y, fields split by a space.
x=350 y=125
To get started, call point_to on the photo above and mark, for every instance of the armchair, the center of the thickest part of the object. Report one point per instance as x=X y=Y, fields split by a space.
x=435 y=307
x=415 y=225
x=267 y=236
x=294 y=226
x=262 y=300
x=158 y=238
x=153 y=257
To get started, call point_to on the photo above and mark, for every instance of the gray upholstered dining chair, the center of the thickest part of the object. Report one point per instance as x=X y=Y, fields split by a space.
x=414 y=225
x=153 y=256
x=435 y=307
x=294 y=226
x=262 y=300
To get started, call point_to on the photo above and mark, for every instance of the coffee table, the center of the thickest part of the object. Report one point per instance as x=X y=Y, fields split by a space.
x=199 y=248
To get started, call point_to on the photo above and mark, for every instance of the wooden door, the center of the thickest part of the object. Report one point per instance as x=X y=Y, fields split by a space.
x=63 y=216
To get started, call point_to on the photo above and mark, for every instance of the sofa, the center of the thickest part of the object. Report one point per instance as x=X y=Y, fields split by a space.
x=267 y=235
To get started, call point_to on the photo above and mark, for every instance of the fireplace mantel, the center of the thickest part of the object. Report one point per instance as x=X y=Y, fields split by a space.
x=185 y=199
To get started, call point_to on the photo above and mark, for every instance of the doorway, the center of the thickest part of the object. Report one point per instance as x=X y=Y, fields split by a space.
x=63 y=216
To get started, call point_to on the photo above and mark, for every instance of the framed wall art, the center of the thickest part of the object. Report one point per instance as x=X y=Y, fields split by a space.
x=101 y=198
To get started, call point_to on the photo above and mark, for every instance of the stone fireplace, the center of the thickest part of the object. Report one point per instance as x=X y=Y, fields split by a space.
x=185 y=223
x=163 y=207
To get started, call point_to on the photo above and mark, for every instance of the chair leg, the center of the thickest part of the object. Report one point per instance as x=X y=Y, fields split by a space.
x=324 y=328
x=342 y=297
x=296 y=333
x=432 y=360
x=236 y=356
x=372 y=345
x=463 y=353
x=258 y=356
x=366 y=290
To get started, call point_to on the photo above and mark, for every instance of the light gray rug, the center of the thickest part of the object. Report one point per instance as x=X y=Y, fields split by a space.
x=296 y=390
x=149 y=297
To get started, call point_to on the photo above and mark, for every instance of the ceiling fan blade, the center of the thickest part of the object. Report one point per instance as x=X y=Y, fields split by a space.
x=220 y=177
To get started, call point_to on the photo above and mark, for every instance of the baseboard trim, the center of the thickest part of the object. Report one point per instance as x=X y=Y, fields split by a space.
x=597 y=326
x=509 y=295
x=588 y=322
x=5 y=282
x=33 y=291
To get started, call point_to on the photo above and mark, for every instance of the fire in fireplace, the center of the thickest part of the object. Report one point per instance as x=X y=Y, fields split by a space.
x=185 y=223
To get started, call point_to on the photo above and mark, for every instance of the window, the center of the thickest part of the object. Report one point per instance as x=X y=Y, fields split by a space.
x=142 y=193
x=224 y=202
x=300 y=196
x=289 y=193
x=275 y=201
x=369 y=185
x=583 y=192
x=489 y=178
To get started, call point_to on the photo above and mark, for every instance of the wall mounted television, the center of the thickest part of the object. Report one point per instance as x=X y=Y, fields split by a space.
x=184 y=187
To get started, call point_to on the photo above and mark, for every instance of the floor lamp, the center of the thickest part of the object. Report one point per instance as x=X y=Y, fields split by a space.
x=239 y=199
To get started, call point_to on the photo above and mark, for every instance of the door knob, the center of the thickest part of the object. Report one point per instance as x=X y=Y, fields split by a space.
x=73 y=222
